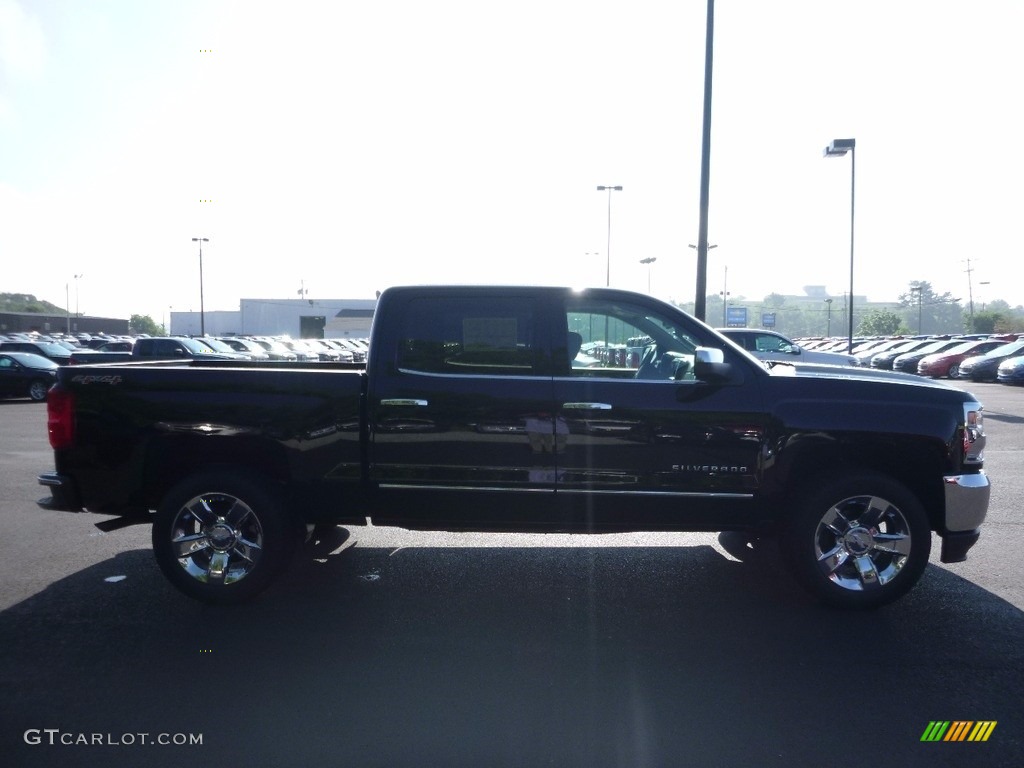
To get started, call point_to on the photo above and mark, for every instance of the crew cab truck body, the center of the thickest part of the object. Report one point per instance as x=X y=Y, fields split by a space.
x=477 y=412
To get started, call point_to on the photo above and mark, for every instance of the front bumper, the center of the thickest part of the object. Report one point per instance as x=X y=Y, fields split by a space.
x=967 y=498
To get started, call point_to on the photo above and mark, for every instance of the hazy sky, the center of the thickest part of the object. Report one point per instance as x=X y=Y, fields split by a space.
x=347 y=146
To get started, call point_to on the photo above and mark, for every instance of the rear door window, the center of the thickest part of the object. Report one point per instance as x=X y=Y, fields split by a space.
x=469 y=336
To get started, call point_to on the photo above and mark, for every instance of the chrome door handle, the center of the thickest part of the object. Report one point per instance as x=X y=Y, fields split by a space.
x=587 y=406
x=405 y=401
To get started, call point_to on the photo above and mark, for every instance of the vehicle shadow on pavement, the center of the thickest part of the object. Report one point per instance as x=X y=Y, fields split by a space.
x=519 y=656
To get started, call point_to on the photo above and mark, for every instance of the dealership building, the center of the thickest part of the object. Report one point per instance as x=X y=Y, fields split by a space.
x=297 y=318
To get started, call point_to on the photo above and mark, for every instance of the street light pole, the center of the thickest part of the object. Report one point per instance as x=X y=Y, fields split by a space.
x=838 y=148
x=828 y=332
x=608 y=269
x=725 y=297
x=648 y=261
x=77 y=313
x=917 y=289
x=970 y=293
x=202 y=309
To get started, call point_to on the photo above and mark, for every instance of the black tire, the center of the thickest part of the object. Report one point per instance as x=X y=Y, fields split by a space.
x=37 y=389
x=221 y=537
x=954 y=371
x=856 y=541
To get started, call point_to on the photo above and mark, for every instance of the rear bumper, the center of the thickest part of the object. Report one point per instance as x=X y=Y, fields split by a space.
x=64 y=495
x=967 y=498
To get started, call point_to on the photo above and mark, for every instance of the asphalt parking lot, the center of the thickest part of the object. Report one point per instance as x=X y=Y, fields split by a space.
x=383 y=647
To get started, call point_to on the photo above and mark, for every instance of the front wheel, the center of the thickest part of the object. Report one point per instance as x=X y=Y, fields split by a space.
x=221 y=538
x=859 y=541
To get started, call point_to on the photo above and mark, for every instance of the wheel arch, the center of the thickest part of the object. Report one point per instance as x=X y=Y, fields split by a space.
x=169 y=462
x=914 y=463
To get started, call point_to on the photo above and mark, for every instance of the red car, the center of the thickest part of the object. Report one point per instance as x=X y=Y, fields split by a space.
x=947 y=363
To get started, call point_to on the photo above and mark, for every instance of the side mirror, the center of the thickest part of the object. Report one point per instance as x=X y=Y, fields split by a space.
x=709 y=365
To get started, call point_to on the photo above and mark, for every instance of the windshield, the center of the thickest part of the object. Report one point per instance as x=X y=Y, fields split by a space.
x=217 y=345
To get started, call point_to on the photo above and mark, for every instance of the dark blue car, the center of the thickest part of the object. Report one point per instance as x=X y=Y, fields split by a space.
x=1011 y=371
x=985 y=367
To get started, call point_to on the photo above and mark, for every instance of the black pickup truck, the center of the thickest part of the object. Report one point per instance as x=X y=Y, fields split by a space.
x=154 y=348
x=490 y=409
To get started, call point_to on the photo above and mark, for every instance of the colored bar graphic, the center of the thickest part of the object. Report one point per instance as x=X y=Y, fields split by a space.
x=982 y=730
x=958 y=730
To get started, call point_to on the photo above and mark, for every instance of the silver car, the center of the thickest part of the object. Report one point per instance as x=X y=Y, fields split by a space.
x=769 y=345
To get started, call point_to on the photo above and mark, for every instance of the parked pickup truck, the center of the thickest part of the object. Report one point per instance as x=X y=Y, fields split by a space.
x=155 y=348
x=476 y=411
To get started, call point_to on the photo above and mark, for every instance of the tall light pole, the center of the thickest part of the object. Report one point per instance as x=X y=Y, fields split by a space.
x=700 y=299
x=648 y=261
x=828 y=332
x=838 y=148
x=202 y=309
x=608 y=269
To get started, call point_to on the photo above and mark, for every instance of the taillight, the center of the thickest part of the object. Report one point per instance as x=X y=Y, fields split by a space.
x=60 y=417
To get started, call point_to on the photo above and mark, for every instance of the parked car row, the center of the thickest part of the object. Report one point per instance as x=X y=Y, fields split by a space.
x=978 y=357
x=300 y=350
x=224 y=348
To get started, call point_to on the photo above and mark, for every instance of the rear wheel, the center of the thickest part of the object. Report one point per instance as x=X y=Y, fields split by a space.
x=221 y=538
x=37 y=390
x=859 y=541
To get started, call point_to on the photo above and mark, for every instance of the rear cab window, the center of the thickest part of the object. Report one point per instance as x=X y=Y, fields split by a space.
x=470 y=336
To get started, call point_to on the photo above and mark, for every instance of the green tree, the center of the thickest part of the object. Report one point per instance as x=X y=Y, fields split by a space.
x=26 y=302
x=144 y=324
x=985 y=322
x=928 y=312
x=881 y=322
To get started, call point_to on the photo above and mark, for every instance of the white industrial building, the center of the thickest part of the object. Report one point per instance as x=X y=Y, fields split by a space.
x=297 y=318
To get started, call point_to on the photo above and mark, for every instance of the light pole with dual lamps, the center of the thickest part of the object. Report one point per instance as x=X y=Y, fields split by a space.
x=608 y=268
x=202 y=310
x=838 y=148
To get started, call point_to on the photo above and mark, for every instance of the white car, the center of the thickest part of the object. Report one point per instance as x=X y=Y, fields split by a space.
x=769 y=345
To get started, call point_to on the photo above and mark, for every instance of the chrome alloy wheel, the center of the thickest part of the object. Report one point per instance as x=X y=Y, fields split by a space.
x=217 y=538
x=862 y=543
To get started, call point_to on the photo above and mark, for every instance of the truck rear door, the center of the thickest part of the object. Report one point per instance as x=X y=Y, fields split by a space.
x=462 y=403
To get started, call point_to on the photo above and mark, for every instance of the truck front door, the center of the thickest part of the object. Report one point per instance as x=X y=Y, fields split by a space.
x=646 y=443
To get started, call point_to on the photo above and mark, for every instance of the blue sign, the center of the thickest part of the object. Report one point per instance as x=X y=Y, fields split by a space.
x=736 y=317
x=767 y=319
